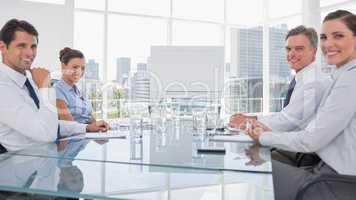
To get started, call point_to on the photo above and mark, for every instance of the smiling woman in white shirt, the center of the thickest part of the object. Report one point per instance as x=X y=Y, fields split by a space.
x=332 y=132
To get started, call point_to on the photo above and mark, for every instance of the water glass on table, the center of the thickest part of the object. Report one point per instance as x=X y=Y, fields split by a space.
x=199 y=120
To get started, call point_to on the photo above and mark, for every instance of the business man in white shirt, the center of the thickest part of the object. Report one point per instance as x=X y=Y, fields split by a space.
x=304 y=93
x=27 y=106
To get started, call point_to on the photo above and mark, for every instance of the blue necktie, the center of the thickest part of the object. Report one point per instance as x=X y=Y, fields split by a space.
x=32 y=93
x=289 y=92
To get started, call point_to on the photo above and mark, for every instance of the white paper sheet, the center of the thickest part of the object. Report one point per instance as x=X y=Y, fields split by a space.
x=106 y=135
x=98 y=135
x=232 y=138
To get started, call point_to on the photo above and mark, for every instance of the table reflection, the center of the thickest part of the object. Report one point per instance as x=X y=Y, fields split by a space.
x=170 y=143
x=64 y=175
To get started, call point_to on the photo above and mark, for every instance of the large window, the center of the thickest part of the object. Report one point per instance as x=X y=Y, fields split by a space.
x=282 y=8
x=90 y=4
x=147 y=7
x=244 y=57
x=207 y=10
x=132 y=37
x=196 y=33
x=90 y=40
x=246 y=13
x=120 y=33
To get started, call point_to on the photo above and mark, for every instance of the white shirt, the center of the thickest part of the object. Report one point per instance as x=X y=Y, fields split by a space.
x=22 y=124
x=332 y=132
x=310 y=86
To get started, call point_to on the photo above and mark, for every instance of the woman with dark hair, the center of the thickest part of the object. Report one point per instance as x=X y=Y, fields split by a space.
x=71 y=104
x=332 y=132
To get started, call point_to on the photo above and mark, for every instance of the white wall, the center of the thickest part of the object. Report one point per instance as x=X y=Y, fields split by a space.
x=53 y=22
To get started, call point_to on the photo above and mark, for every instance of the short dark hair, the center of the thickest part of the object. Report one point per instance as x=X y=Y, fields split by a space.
x=348 y=18
x=66 y=54
x=7 y=32
x=310 y=33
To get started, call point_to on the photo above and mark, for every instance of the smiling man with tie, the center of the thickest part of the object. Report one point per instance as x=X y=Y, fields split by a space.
x=27 y=105
x=304 y=93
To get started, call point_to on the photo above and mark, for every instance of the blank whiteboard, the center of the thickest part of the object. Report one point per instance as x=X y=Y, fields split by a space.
x=186 y=68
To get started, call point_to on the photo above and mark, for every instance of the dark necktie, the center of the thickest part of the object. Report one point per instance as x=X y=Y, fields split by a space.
x=289 y=92
x=2 y=149
x=58 y=135
x=37 y=101
x=32 y=93
x=30 y=180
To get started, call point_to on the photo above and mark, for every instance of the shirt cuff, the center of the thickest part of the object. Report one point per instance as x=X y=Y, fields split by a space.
x=265 y=120
x=81 y=128
x=261 y=118
x=48 y=97
x=68 y=128
x=266 y=139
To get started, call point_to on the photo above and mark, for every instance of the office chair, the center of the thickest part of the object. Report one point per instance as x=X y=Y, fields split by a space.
x=340 y=187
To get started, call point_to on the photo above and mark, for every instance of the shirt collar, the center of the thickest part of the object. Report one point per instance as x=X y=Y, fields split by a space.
x=306 y=72
x=17 y=77
x=338 y=71
x=68 y=87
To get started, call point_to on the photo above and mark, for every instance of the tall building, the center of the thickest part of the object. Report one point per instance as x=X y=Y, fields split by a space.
x=92 y=70
x=227 y=72
x=247 y=59
x=123 y=67
x=247 y=52
x=140 y=85
x=279 y=69
x=91 y=86
x=239 y=94
x=141 y=67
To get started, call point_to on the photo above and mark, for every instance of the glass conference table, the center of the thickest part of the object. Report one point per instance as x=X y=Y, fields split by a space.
x=151 y=162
